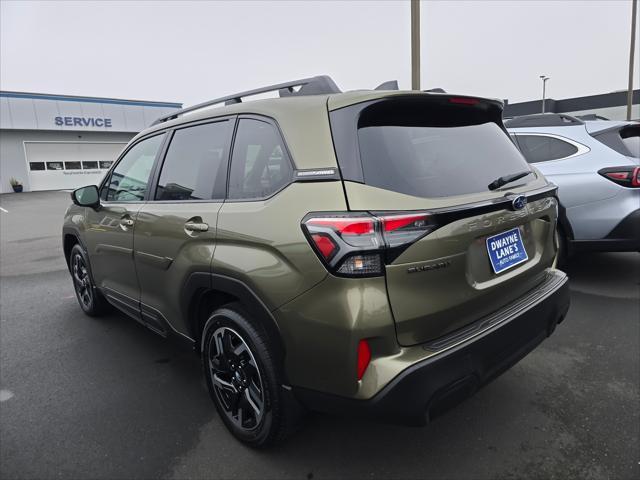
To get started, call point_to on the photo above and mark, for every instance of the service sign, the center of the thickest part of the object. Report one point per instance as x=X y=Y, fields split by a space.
x=83 y=122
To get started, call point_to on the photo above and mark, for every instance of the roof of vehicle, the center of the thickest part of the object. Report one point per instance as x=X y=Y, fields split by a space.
x=301 y=115
x=312 y=92
x=562 y=120
x=543 y=120
x=600 y=125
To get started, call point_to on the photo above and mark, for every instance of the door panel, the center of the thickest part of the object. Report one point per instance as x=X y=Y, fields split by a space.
x=167 y=252
x=176 y=231
x=109 y=231
x=109 y=238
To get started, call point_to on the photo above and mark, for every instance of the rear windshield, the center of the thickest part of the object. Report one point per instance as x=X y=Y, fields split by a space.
x=425 y=147
x=437 y=162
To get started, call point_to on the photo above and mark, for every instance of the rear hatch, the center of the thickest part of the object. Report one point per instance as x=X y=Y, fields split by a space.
x=472 y=250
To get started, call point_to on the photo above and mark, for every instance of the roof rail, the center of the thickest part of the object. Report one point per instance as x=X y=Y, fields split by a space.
x=591 y=116
x=435 y=90
x=320 y=85
x=388 y=85
x=543 y=120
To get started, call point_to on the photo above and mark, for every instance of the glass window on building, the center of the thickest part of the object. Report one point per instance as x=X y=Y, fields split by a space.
x=36 y=166
x=55 y=166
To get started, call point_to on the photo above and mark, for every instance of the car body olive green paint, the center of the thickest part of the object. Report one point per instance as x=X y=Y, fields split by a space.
x=320 y=317
x=166 y=254
x=110 y=246
x=261 y=243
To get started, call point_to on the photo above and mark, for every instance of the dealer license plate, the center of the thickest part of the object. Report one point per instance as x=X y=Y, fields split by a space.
x=506 y=250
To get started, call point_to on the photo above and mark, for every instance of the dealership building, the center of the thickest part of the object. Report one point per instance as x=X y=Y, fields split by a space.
x=53 y=142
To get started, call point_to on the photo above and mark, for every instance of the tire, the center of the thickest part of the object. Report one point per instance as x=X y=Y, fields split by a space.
x=244 y=379
x=562 y=257
x=89 y=298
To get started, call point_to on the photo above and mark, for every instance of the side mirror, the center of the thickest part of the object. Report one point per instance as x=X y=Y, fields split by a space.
x=86 y=196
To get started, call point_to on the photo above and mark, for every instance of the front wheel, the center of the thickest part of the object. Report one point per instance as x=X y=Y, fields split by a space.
x=243 y=378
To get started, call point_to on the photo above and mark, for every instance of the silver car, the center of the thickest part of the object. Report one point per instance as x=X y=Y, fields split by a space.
x=596 y=165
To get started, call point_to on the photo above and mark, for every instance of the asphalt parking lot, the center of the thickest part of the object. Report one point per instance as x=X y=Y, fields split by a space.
x=106 y=398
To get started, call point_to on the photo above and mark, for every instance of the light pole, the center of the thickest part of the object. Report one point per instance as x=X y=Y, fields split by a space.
x=415 y=44
x=544 y=79
x=634 y=10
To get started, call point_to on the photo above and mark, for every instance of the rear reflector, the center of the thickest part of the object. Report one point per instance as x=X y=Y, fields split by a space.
x=364 y=357
x=325 y=245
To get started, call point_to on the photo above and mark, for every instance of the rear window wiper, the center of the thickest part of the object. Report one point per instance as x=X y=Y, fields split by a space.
x=501 y=181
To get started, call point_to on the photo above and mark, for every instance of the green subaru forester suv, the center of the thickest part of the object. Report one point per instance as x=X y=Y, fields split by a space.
x=376 y=253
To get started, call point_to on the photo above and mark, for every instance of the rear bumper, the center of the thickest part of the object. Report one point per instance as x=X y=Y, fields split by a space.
x=430 y=387
x=625 y=237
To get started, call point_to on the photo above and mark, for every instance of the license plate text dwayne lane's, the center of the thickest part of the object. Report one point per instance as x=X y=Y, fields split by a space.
x=506 y=250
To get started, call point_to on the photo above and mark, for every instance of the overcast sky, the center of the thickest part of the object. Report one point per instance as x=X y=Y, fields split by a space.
x=193 y=51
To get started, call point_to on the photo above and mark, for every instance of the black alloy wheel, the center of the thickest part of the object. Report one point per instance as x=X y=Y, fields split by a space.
x=82 y=281
x=245 y=378
x=236 y=379
x=90 y=299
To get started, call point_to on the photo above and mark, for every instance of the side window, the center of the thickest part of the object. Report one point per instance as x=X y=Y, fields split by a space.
x=195 y=167
x=260 y=165
x=538 y=148
x=130 y=178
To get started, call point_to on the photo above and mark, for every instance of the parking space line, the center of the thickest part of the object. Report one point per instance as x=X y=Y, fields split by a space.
x=4 y=210
x=5 y=395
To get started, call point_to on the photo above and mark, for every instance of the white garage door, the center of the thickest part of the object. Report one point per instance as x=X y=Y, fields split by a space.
x=62 y=165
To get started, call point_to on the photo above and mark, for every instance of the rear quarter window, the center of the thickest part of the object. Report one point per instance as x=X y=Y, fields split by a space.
x=260 y=165
x=542 y=148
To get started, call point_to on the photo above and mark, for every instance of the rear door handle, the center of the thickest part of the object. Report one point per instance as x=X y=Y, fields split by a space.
x=196 y=227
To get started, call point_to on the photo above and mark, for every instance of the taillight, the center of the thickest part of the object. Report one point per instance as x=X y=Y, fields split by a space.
x=357 y=244
x=404 y=229
x=625 y=176
x=364 y=357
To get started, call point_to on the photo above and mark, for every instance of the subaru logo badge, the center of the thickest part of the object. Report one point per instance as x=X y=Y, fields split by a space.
x=519 y=202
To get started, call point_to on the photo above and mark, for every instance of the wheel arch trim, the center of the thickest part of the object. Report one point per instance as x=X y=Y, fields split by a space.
x=563 y=220
x=70 y=231
x=210 y=282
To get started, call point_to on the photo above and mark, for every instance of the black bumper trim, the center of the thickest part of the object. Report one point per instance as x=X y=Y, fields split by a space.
x=430 y=387
x=605 y=245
